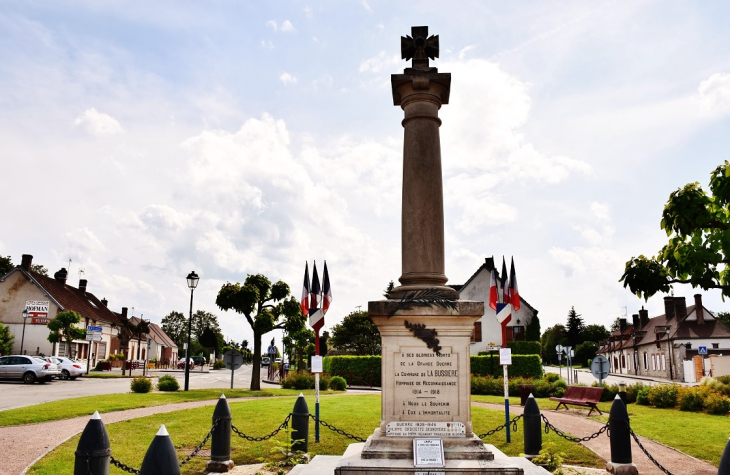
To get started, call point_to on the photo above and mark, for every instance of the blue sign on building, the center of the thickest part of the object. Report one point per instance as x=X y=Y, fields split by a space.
x=702 y=350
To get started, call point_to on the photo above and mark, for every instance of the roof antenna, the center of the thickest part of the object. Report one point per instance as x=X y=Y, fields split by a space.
x=69 y=266
x=82 y=272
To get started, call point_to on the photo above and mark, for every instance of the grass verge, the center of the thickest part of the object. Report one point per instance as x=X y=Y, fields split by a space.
x=84 y=406
x=130 y=439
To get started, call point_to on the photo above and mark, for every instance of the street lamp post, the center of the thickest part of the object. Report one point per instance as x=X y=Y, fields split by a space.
x=192 y=283
x=22 y=340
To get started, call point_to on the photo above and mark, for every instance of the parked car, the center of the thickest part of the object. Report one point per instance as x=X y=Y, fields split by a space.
x=196 y=361
x=54 y=364
x=70 y=369
x=265 y=361
x=27 y=369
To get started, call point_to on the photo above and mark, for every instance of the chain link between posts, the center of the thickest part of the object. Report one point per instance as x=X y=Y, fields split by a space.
x=549 y=426
x=122 y=466
x=283 y=425
x=338 y=431
x=653 y=460
x=502 y=427
x=201 y=444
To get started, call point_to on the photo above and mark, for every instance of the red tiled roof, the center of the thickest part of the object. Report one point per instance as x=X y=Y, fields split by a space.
x=160 y=333
x=71 y=298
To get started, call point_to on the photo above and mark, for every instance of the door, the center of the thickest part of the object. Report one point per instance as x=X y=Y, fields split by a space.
x=4 y=361
x=17 y=366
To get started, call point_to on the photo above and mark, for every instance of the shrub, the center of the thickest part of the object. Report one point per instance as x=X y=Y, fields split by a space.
x=338 y=383
x=528 y=366
x=524 y=347
x=663 y=395
x=542 y=388
x=719 y=384
x=558 y=392
x=140 y=384
x=692 y=399
x=642 y=396
x=219 y=364
x=357 y=370
x=632 y=391
x=167 y=382
x=717 y=404
x=304 y=380
x=551 y=377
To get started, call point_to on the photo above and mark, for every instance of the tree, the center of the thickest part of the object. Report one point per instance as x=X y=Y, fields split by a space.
x=175 y=325
x=698 y=251
x=616 y=325
x=553 y=336
x=574 y=328
x=298 y=342
x=128 y=330
x=724 y=317
x=39 y=269
x=585 y=352
x=6 y=265
x=532 y=332
x=266 y=307
x=203 y=320
x=64 y=327
x=356 y=335
x=6 y=340
x=595 y=333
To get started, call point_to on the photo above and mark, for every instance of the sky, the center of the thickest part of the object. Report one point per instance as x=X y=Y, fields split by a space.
x=144 y=140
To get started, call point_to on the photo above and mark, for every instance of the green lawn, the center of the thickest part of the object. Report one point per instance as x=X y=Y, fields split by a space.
x=83 y=406
x=130 y=439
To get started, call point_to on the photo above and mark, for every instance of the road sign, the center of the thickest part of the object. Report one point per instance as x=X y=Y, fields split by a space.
x=93 y=328
x=559 y=348
x=93 y=336
x=232 y=359
x=599 y=368
x=702 y=350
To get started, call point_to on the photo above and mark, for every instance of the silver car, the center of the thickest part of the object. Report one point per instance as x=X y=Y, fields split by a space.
x=70 y=369
x=27 y=369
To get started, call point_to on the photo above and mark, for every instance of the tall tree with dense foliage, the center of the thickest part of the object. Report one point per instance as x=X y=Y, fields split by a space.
x=698 y=251
x=6 y=340
x=532 y=332
x=574 y=328
x=175 y=325
x=553 y=336
x=356 y=335
x=266 y=308
x=63 y=327
x=595 y=333
x=39 y=269
x=6 y=265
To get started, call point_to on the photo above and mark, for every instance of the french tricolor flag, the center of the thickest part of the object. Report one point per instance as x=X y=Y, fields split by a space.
x=493 y=298
x=326 y=290
x=514 y=293
x=304 y=302
x=316 y=291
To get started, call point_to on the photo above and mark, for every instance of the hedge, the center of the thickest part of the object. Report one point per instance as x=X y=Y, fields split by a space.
x=357 y=370
x=527 y=366
x=525 y=347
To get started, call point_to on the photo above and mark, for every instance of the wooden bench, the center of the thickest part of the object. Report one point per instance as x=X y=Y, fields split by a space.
x=580 y=396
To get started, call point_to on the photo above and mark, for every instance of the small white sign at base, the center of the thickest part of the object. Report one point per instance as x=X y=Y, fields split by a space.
x=428 y=452
x=316 y=364
x=505 y=356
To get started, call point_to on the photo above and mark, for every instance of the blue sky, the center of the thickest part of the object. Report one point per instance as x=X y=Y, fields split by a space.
x=144 y=140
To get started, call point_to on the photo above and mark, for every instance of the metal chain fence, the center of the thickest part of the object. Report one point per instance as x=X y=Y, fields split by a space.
x=264 y=437
x=549 y=427
x=502 y=427
x=122 y=466
x=339 y=431
x=653 y=460
x=201 y=444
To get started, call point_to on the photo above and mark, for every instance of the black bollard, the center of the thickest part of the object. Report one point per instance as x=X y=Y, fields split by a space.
x=160 y=458
x=220 y=441
x=300 y=425
x=93 y=453
x=618 y=425
x=533 y=428
x=724 y=468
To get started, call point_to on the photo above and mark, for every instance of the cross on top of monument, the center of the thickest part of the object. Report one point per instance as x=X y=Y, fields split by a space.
x=419 y=47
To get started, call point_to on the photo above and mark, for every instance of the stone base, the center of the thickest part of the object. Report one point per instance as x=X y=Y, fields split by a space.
x=622 y=468
x=218 y=466
x=401 y=448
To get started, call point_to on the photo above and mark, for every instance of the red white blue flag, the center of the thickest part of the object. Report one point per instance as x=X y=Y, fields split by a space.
x=493 y=298
x=304 y=302
x=503 y=282
x=316 y=291
x=514 y=293
x=326 y=290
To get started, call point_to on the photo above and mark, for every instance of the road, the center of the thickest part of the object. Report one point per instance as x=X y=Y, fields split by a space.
x=16 y=394
x=587 y=378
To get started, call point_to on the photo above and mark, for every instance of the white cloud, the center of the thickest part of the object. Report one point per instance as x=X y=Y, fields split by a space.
x=462 y=52
x=287 y=26
x=83 y=243
x=272 y=24
x=378 y=63
x=98 y=124
x=287 y=79
x=267 y=44
x=366 y=5
x=601 y=211
x=325 y=80
x=568 y=261
x=714 y=92
x=308 y=12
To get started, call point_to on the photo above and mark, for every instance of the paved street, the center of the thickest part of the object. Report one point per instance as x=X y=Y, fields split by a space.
x=16 y=394
x=587 y=378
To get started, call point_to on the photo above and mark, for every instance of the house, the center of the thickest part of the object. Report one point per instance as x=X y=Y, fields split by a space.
x=154 y=345
x=488 y=330
x=664 y=346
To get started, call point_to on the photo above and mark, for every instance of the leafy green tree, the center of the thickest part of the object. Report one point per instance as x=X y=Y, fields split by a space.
x=175 y=325
x=296 y=343
x=6 y=265
x=203 y=320
x=532 y=332
x=39 y=269
x=585 y=352
x=616 y=324
x=356 y=335
x=6 y=340
x=574 y=328
x=63 y=326
x=698 y=251
x=553 y=336
x=266 y=308
x=595 y=333
x=724 y=317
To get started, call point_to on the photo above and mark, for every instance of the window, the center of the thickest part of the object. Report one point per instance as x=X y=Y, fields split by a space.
x=518 y=333
x=664 y=362
x=689 y=346
x=715 y=346
x=623 y=361
x=653 y=361
x=646 y=362
x=476 y=334
x=101 y=351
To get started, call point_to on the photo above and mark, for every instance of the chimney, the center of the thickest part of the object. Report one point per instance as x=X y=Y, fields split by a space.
x=643 y=317
x=669 y=307
x=82 y=285
x=622 y=324
x=26 y=262
x=699 y=310
x=61 y=275
x=635 y=321
x=680 y=308
x=104 y=302
x=124 y=312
